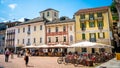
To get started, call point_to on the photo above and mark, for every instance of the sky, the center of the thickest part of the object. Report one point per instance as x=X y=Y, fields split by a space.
x=15 y=10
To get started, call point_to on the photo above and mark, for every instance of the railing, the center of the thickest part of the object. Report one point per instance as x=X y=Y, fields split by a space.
x=100 y=27
x=84 y=19
x=28 y=44
x=92 y=40
x=99 y=18
x=83 y=28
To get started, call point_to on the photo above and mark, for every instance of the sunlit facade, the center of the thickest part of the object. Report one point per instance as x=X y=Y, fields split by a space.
x=30 y=33
x=93 y=25
x=60 y=31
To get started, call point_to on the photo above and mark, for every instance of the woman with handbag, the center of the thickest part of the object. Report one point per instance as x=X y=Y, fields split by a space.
x=26 y=58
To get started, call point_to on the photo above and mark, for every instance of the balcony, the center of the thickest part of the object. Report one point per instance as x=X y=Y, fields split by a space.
x=92 y=40
x=100 y=28
x=99 y=18
x=83 y=28
x=83 y=19
x=28 y=44
x=91 y=19
x=28 y=32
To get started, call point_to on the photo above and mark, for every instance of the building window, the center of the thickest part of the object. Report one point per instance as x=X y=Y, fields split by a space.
x=34 y=40
x=92 y=24
x=40 y=27
x=23 y=30
x=99 y=14
x=71 y=38
x=91 y=16
x=49 y=30
x=83 y=36
x=64 y=39
x=64 y=28
x=92 y=37
x=83 y=26
x=47 y=13
x=101 y=35
x=49 y=39
x=18 y=41
x=56 y=29
x=100 y=24
x=82 y=16
x=55 y=14
x=56 y=39
x=18 y=30
x=28 y=41
x=40 y=40
x=28 y=27
x=23 y=41
x=70 y=28
x=84 y=50
x=34 y=28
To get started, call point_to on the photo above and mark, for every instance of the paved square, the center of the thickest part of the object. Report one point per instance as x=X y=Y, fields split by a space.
x=35 y=62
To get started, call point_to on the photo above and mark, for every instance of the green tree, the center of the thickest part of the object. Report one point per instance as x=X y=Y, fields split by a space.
x=114 y=11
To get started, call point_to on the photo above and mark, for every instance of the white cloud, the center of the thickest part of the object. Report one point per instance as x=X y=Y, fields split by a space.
x=21 y=19
x=12 y=6
x=5 y=21
x=2 y=18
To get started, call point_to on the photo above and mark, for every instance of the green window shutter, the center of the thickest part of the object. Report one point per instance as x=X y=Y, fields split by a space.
x=80 y=25
x=98 y=35
x=82 y=16
x=102 y=24
x=97 y=23
x=103 y=35
x=85 y=25
x=83 y=36
x=89 y=24
x=89 y=35
x=95 y=35
x=92 y=24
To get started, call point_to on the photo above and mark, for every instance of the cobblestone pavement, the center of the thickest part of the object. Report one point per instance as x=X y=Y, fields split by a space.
x=110 y=64
x=35 y=62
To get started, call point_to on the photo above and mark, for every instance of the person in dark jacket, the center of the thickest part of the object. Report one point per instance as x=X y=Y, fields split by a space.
x=26 y=57
x=7 y=53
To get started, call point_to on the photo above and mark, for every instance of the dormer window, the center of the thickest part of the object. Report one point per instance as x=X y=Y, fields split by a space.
x=62 y=18
x=48 y=14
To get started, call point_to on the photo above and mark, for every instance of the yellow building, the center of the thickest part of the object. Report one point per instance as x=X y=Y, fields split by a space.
x=93 y=25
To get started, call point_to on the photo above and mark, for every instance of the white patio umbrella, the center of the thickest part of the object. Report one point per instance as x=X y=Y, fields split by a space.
x=60 y=46
x=100 y=45
x=43 y=46
x=108 y=46
x=30 y=46
x=83 y=44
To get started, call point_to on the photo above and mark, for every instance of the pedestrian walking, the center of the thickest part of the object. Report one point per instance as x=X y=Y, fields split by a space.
x=26 y=57
x=12 y=54
x=7 y=53
x=18 y=54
